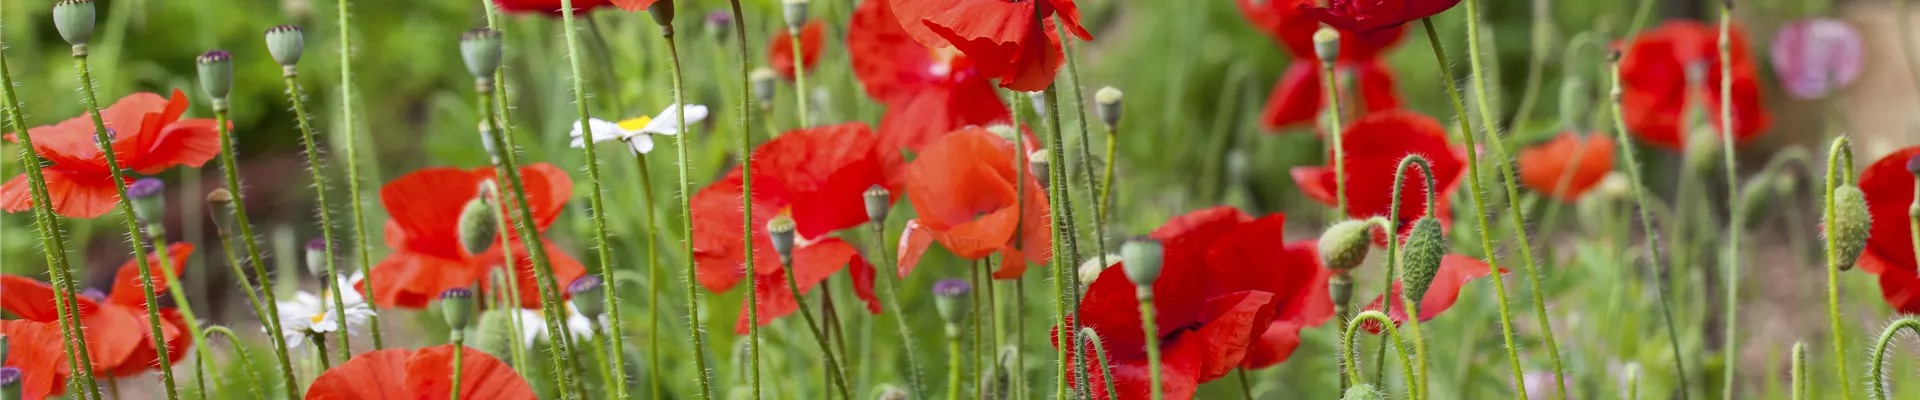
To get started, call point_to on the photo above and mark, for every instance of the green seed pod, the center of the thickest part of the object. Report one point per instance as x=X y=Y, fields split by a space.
x=480 y=48
x=1037 y=161
x=1576 y=104
x=780 y=229
x=1363 y=391
x=10 y=387
x=456 y=305
x=220 y=208
x=795 y=12
x=316 y=252
x=74 y=20
x=1426 y=247
x=1107 y=103
x=764 y=81
x=216 y=73
x=1340 y=289
x=1326 y=44
x=879 y=203
x=588 y=296
x=495 y=334
x=1141 y=259
x=285 y=43
x=950 y=299
x=1344 y=246
x=662 y=12
x=149 y=200
x=479 y=224
x=1851 y=224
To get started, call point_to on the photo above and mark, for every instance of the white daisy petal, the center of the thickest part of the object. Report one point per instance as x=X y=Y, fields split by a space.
x=294 y=340
x=603 y=130
x=668 y=121
x=641 y=144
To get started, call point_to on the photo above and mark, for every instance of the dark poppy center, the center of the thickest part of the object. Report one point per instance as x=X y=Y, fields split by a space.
x=1177 y=332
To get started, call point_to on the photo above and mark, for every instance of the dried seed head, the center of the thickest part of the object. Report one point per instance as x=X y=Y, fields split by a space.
x=1107 y=104
x=317 y=257
x=74 y=19
x=479 y=223
x=950 y=299
x=795 y=12
x=764 y=81
x=588 y=296
x=480 y=48
x=1363 y=391
x=662 y=12
x=286 y=42
x=1851 y=224
x=456 y=305
x=148 y=203
x=216 y=73
x=879 y=203
x=1344 y=245
x=1326 y=44
x=1426 y=247
x=780 y=229
x=1141 y=258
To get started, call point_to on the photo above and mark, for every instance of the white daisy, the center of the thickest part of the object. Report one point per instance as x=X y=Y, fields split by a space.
x=638 y=132
x=533 y=327
x=309 y=314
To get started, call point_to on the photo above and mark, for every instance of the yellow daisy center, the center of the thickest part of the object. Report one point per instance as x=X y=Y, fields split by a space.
x=636 y=123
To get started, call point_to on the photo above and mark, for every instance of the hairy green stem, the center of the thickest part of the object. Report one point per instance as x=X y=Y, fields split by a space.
x=892 y=283
x=686 y=213
x=1332 y=94
x=1064 y=228
x=320 y=201
x=953 y=363
x=652 y=241
x=1839 y=171
x=459 y=341
x=240 y=352
x=1099 y=207
x=1731 y=255
x=1151 y=330
x=239 y=208
x=347 y=127
x=799 y=77
x=517 y=353
x=1347 y=348
x=1092 y=339
x=1645 y=204
x=1877 y=383
x=320 y=350
x=1799 y=371
x=834 y=371
x=529 y=235
x=595 y=201
x=157 y=233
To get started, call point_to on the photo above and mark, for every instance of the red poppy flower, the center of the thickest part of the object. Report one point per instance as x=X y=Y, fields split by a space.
x=119 y=336
x=1013 y=41
x=1455 y=271
x=634 y=5
x=424 y=231
x=148 y=137
x=1293 y=28
x=780 y=50
x=1238 y=254
x=1659 y=96
x=1582 y=162
x=1299 y=97
x=419 y=374
x=552 y=7
x=37 y=349
x=963 y=189
x=815 y=176
x=1374 y=15
x=1889 y=254
x=1375 y=145
x=928 y=92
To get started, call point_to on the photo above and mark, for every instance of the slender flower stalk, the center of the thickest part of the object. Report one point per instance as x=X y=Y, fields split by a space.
x=1326 y=46
x=158 y=234
x=52 y=240
x=219 y=205
x=292 y=78
x=320 y=350
x=652 y=241
x=596 y=203
x=1064 y=228
x=1092 y=339
x=663 y=15
x=1479 y=200
x=1877 y=384
x=947 y=295
x=1086 y=166
x=457 y=307
x=238 y=207
x=1731 y=255
x=1347 y=348
x=799 y=58
x=1839 y=173
x=1394 y=258
x=892 y=292
x=347 y=128
x=1020 y=171
x=1645 y=204
x=240 y=353
x=782 y=231
x=1799 y=371
x=1142 y=261
x=1108 y=102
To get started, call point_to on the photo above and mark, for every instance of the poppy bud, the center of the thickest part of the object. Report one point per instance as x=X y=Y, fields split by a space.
x=1851 y=224
x=479 y=222
x=216 y=73
x=719 y=25
x=480 y=48
x=1426 y=246
x=10 y=383
x=879 y=202
x=495 y=333
x=950 y=299
x=587 y=298
x=1326 y=44
x=456 y=305
x=148 y=203
x=74 y=20
x=1785 y=184
x=1755 y=198
x=890 y=392
x=285 y=43
x=1141 y=258
x=1575 y=104
x=1344 y=246
x=317 y=257
x=1038 y=164
x=780 y=229
x=1107 y=104
x=1363 y=391
x=662 y=12
x=219 y=207
x=1703 y=148
x=796 y=13
x=764 y=80
x=1091 y=269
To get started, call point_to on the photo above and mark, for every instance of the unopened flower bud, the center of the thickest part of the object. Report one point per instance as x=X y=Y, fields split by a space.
x=456 y=305
x=494 y=334
x=1851 y=224
x=662 y=12
x=149 y=202
x=950 y=299
x=1755 y=198
x=1576 y=104
x=1363 y=391
x=1038 y=164
x=764 y=80
x=780 y=229
x=285 y=43
x=10 y=386
x=480 y=48
x=587 y=296
x=879 y=203
x=1326 y=44
x=1091 y=269
x=1425 y=248
x=795 y=11
x=479 y=222
x=316 y=252
x=220 y=208
x=1344 y=246
x=1107 y=103
x=74 y=19
x=1141 y=258
x=719 y=25
x=1785 y=184
x=216 y=73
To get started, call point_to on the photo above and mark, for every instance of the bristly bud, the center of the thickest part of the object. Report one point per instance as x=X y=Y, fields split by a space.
x=1363 y=391
x=587 y=296
x=286 y=42
x=950 y=299
x=764 y=80
x=1851 y=224
x=1038 y=165
x=1107 y=104
x=795 y=11
x=1091 y=269
x=719 y=25
x=220 y=208
x=1344 y=245
x=890 y=392
x=74 y=19
x=1141 y=259
x=780 y=229
x=1426 y=246
x=480 y=48
x=494 y=333
x=10 y=387
x=149 y=204
x=317 y=257
x=1326 y=44
x=479 y=222
x=216 y=73
x=456 y=305
x=879 y=203
x=663 y=13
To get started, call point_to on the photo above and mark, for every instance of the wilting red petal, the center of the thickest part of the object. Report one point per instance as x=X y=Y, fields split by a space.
x=550 y=7
x=634 y=5
x=429 y=375
x=780 y=50
x=1455 y=271
x=1033 y=68
x=1567 y=166
x=37 y=350
x=126 y=290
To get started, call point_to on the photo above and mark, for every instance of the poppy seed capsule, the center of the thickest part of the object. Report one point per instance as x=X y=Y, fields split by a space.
x=780 y=229
x=1363 y=392
x=317 y=256
x=219 y=206
x=1141 y=259
x=1107 y=104
x=662 y=12
x=763 y=85
x=1326 y=44
x=879 y=203
x=1037 y=163
x=950 y=299
x=10 y=383
x=148 y=204
x=456 y=305
x=1344 y=246
x=1851 y=224
x=74 y=20
x=285 y=43
x=216 y=73
x=795 y=11
x=480 y=48
x=479 y=223
x=1426 y=247
x=587 y=296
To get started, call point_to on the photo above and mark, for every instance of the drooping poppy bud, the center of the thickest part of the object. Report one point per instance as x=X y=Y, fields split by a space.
x=285 y=43
x=149 y=204
x=1363 y=391
x=587 y=297
x=456 y=305
x=1107 y=104
x=795 y=12
x=780 y=229
x=74 y=19
x=1426 y=246
x=1344 y=245
x=1576 y=104
x=216 y=74
x=479 y=222
x=10 y=388
x=879 y=203
x=1851 y=224
x=480 y=48
x=1141 y=258
x=950 y=299
x=316 y=252
x=220 y=208
x=1326 y=44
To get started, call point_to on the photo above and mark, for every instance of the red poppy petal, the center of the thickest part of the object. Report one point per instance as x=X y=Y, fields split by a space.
x=174 y=328
x=1033 y=67
x=126 y=282
x=548 y=189
x=191 y=143
x=1273 y=346
x=1889 y=191
x=961 y=176
x=773 y=298
x=862 y=274
x=411 y=280
x=913 y=244
x=1295 y=99
x=1902 y=290
x=378 y=374
x=429 y=375
x=939 y=23
x=1070 y=15
x=1246 y=260
x=120 y=340
x=110 y=334
x=1312 y=182
x=1133 y=378
x=548 y=7
x=780 y=49
x=80 y=195
x=32 y=300
x=1232 y=322
x=1109 y=307
x=1566 y=167
x=565 y=271
x=1377 y=87
x=1013 y=264
x=890 y=64
x=927 y=115
x=427 y=203
x=37 y=350
x=980 y=237
x=16 y=195
x=822 y=174
x=633 y=5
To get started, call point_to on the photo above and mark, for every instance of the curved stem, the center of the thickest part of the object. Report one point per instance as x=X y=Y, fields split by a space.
x=1645 y=204
x=1393 y=334
x=1479 y=201
x=1877 y=384
x=179 y=295
x=1838 y=172
x=1391 y=224
x=1152 y=335
x=240 y=352
x=347 y=128
x=1731 y=255
x=686 y=213
x=320 y=201
x=1092 y=339
x=838 y=376
x=892 y=292
x=239 y=208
